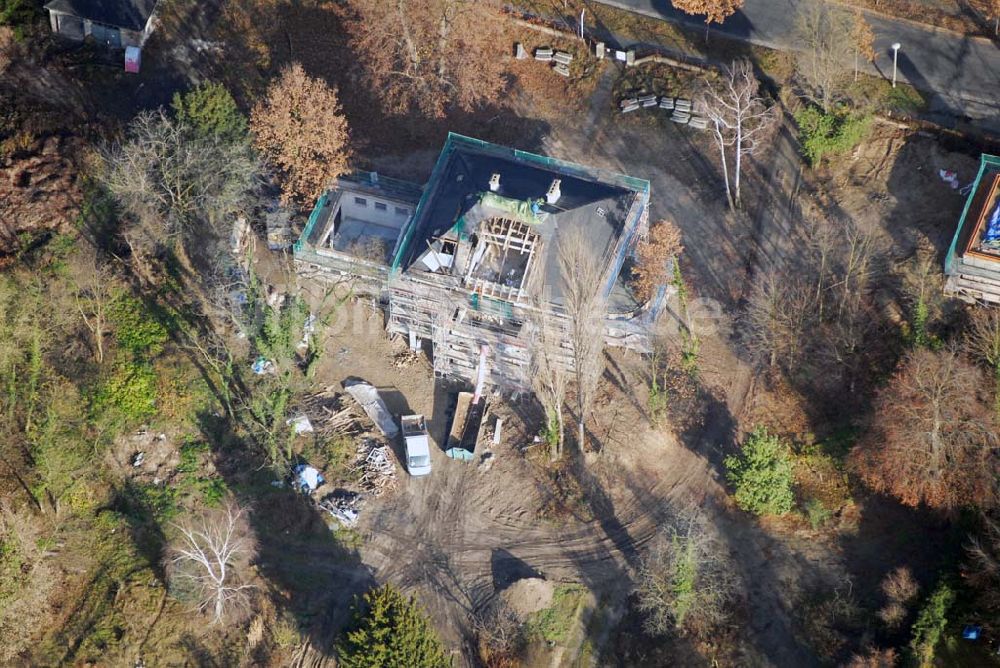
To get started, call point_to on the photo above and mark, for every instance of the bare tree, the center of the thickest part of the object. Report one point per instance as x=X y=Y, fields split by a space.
x=426 y=55
x=715 y=11
x=94 y=288
x=779 y=313
x=586 y=305
x=210 y=561
x=983 y=564
x=740 y=118
x=500 y=634
x=922 y=281
x=653 y=257
x=686 y=582
x=864 y=41
x=178 y=191
x=900 y=589
x=300 y=128
x=8 y=47
x=549 y=377
x=827 y=35
x=27 y=582
x=982 y=341
x=874 y=658
x=932 y=440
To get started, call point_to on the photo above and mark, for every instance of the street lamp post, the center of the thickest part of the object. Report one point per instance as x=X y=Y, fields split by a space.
x=895 y=57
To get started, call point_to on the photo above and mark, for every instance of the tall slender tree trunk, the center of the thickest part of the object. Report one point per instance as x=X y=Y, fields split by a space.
x=725 y=167
x=739 y=163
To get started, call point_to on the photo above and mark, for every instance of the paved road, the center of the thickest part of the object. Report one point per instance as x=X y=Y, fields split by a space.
x=963 y=73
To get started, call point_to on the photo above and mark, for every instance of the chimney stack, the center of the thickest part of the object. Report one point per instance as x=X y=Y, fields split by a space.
x=495 y=182
x=552 y=196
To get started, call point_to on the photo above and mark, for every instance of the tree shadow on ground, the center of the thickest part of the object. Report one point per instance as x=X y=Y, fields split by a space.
x=134 y=504
x=890 y=535
x=311 y=570
x=318 y=39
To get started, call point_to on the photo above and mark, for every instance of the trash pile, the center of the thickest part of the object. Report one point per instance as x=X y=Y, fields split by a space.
x=306 y=478
x=376 y=466
x=343 y=505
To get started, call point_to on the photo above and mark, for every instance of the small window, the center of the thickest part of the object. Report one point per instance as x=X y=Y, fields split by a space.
x=380 y=206
x=361 y=201
x=402 y=211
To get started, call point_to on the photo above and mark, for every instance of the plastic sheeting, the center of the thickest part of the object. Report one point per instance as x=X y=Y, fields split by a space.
x=366 y=395
x=991 y=236
x=526 y=211
x=307 y=479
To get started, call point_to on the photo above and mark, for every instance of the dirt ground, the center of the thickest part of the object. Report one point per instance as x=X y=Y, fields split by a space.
x=460 y=535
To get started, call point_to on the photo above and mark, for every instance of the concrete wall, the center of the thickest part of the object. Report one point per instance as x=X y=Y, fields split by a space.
x=69 y=26
x=375 y=210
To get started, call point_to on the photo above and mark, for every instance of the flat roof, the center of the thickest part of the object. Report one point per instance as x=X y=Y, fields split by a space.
x=596 y=201
x=129 y=14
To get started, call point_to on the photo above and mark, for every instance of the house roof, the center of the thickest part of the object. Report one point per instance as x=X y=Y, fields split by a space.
x=128 y=14
x=595 y=201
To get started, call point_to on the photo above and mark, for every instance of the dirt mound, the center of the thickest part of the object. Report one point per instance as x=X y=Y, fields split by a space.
x=39 y=193
x=527 y=596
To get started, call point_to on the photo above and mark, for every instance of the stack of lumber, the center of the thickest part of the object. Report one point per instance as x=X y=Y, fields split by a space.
x=378 y=471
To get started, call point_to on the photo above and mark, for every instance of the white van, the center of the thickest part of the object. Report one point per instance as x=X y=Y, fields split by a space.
x=418 y=449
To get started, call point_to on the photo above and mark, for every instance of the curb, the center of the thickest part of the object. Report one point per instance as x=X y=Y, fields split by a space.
x=916 y=24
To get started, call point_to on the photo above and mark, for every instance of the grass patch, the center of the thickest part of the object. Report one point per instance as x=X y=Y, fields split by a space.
x=554 y=624
x=878 y=95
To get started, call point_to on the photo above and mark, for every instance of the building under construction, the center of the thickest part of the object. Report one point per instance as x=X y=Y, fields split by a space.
x=972 y=265
x=469 y=262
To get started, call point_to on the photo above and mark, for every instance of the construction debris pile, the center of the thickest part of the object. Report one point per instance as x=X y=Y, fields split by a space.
x=681 y=109
x=343 y=505
x=560 y=60
x=332 y=415
x=376 y=466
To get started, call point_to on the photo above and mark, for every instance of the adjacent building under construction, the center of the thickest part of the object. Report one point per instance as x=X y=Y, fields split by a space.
x=469 y=261
x=972 y=265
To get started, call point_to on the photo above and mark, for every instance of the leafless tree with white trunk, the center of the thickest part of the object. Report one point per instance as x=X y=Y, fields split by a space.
x=210 y=561
x=586 y=306
x=741 y=119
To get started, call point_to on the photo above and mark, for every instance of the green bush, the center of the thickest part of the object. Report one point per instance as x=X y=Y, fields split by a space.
x=280 y=330
x=762 y=475
x=18 y=14
x=128 y=394
x=136 y=329
x=817 y=513
x=555 y=623
x=190 y=454
x=390 y=631
x=210 y=110
x=822 y=134
x=930 y=624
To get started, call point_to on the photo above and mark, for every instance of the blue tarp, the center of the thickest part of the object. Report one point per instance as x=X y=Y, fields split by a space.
x=991 y=237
